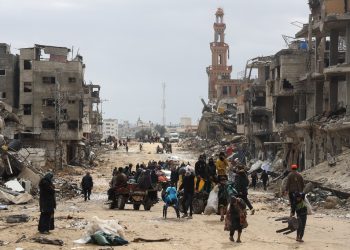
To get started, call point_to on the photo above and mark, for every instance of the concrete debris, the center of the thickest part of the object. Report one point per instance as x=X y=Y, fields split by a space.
x=18 y=218
x=43 y=240
x=11 y=199
x=66 y=189
x=14 y=185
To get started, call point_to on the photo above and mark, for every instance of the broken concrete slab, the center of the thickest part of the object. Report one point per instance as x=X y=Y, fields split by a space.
x=14 y=185
x=11 y=199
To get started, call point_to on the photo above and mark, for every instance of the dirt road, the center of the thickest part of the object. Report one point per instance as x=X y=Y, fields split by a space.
x=202 y=232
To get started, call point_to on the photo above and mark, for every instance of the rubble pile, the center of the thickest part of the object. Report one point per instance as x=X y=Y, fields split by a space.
x=230 y=144
x=66 y=189
x=217 y=120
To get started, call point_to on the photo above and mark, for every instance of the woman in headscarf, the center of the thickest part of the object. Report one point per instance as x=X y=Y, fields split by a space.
x=47 y=203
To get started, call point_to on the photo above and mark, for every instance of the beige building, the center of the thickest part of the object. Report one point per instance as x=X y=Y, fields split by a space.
x=52 y=99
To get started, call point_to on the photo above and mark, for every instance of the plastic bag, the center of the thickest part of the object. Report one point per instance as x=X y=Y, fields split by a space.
x=213 y=201
x=308 y=206
x=107 y=226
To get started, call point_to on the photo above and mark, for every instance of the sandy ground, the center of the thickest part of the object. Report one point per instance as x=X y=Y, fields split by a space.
x=202 y=232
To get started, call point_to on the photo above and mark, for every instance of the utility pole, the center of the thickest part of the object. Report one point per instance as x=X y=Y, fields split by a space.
x=57 y=140
x=163 y=103
x=101 y=114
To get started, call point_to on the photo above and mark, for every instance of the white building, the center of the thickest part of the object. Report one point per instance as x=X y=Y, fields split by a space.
x=110 y=128
x=185 y=122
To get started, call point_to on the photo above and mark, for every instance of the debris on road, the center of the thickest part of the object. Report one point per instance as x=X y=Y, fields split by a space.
x=18 y=218
x=43 y=240
x=139 y=240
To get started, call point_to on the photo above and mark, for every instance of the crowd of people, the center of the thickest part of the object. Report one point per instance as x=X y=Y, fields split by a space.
x=231 y=178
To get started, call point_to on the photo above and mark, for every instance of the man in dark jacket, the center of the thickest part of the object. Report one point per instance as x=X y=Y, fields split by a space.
x=241 y=184
x=265 y=178
x=295 y=184
x=47 y=203
x=188 y=187
x=86 y=185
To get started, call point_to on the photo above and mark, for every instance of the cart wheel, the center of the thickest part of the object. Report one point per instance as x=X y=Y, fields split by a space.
x=147 y=204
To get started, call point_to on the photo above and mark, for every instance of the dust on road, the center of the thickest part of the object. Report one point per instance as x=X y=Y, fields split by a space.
x=202 y=232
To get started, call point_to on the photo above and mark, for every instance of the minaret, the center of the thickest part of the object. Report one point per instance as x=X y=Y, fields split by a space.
x=219 y=49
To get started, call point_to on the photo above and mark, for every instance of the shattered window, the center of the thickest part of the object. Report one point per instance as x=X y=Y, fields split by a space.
x=27 y=109
x=48 y=124
x=49 y=102
x=27 y=64
x=72 y=80
x=49 y=79
x=27 y=87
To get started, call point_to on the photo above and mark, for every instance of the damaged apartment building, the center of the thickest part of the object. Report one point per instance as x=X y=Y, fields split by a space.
x=254 y=118
x=54 y=100
x=307 y=92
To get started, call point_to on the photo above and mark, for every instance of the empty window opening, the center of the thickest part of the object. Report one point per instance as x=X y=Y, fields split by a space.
x=3 y=95
x=72 y=80
x=220 y=59
x=27 y=109
x=27 y=87
x=73 y=124
x=71 y=101
x=48 y=124
x=2 y=72
x=50 y=102
x=49 y=79
x=27 y=64
x=226 y=90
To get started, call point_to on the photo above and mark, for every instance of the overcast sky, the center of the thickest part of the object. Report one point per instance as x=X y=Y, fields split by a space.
x=131 y=46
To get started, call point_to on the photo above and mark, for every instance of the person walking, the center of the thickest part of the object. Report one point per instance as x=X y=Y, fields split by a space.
x=265 y=178
x=241 y=184
x=188 y=188
x=47 y=204
x=295 y=184
x=238 y=217
x=301 y=211
x=221 y=166
x=127 y=148
x=86 y=185
x=254 y=177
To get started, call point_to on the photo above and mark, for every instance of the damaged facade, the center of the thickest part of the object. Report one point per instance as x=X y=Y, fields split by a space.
x=299 y=104
x=57 y=111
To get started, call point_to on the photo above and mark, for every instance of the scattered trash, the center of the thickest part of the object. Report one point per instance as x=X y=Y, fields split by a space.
x=213 y=201
x=138 y=240
x=18 y=218
x=3 y=207
x=110 y=227
x=4 y=243
x=43 y=240
x=103 y=239
x=21 y=238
